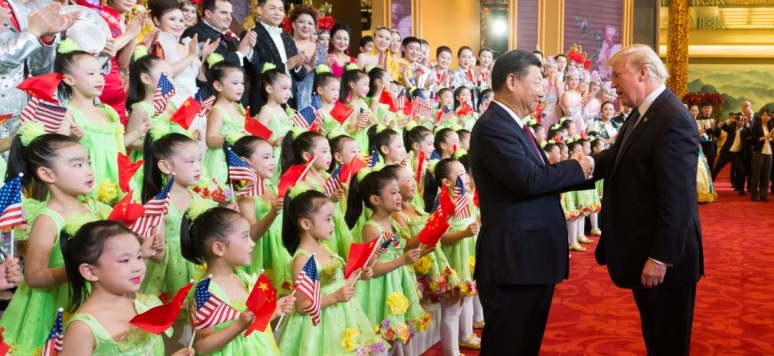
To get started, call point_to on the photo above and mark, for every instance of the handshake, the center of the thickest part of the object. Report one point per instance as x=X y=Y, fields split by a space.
x=585 y=162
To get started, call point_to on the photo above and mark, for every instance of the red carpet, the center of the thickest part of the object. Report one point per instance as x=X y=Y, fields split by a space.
x=734 y=305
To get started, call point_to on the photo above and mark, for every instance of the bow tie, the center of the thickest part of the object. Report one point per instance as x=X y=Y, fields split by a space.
x=274 y=30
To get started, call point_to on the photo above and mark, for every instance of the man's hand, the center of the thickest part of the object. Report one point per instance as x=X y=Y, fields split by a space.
x=584 y=162
x=652 y=274
x=247 y=43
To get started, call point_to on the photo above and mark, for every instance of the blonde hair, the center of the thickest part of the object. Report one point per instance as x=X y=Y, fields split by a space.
x=640 y=56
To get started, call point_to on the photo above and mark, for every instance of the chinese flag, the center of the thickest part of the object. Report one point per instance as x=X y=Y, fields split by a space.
x=356 y=165
x=186 y=113
x=464 y=110
x=262 y=302
x=447 y=204
x=341 y=112
x=126 y=211
x=4 y=348
x=386 y=98
x=408 y=107
x=359 y=254
x=126 y=169
x=346 y=173
x=475 y=198
x=292 y=176
x=42 y=87
x=435 y=228
x=161 y=318
x=256 y=128
x=421 y=163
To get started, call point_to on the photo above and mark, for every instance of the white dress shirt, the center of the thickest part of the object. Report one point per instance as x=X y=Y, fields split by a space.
x=241 y=55
x=645 y=105
x=767 y=142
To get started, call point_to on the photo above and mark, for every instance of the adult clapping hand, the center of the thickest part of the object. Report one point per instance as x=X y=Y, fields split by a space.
x=47 y=22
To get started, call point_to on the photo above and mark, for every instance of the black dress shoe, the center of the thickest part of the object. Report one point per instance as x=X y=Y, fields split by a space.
x=742 y=193
x=755 y=198
x=765 y=199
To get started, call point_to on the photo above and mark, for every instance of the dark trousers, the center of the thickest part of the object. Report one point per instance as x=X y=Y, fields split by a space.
x=515 y=317
x=737 y=167
x=667 y=319
x=710 y=151
x=761 y=174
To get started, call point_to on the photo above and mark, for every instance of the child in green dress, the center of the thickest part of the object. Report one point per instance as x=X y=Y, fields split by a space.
x=97 y=127
x=344 y=328
x=105 y=264
x=420 y=139
x=446 y=143
x=60 y=165
x=220 y=237
x=355 y=85
x=389 y=144
x=277 y=87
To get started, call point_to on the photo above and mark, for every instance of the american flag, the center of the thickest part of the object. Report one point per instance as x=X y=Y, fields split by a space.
x=383 y=247
x=436 y=204
x=210 y=310
x=305 y=117
x=372 y=159
x=389 y=236
x=444 y=115
x=333 y=183
x=10 y=204
x=400 y=100
x=28 y=113
x=164 y=91
x=318 y=117
x=206 y=104
x=53 y=345
x=461 y=208
x=308 y=283
x=362 y=118
x=50 y=115
x=239 y=170
x=423 y=106
x=154 y=211
x=435 y=155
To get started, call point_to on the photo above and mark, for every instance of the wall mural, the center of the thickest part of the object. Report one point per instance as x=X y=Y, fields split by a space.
x=735 y=83
x=401 y=17
x=595 y=28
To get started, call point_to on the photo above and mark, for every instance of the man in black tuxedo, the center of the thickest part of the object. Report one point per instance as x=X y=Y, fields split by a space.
x=651 y=240
x=214 y=26
x=273 y=46
x=522 y=249
x=621 y=118
x=733 y=150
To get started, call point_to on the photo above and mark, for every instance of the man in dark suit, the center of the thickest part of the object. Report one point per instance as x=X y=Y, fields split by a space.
x=733 y=151
x=522 y=249
x=651 y=240
x=621 y=118
x=214 y=26
x=273 y=46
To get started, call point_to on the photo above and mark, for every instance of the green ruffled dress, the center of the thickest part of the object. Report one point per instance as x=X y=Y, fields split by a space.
x=361 y=136
x=342 y=236
x=231 y=131
x=280 y=124
x=103 y=141
x=136 y=342
x=30 y=314
x=269 y=252
x=460 y=255
x=344 y=328
x=391 y=301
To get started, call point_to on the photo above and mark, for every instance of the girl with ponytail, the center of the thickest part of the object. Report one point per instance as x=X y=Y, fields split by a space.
x=275 y=114
x=355 y=85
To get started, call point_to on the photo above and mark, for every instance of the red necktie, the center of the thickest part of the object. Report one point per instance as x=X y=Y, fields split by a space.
x=531 y=139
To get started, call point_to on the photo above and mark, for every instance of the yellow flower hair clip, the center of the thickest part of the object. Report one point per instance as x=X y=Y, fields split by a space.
x=140 y=52
x=322 y=68
x=67 y=46
x=267 y=67
x=297 y=189
x=31 y=130
x=214 y=58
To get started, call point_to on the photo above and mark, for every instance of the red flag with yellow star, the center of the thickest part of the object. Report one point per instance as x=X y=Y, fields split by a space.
x=126 y=211
x=359 y=254
x=435 y=227
x=262 y=302
x=186 y=113
x=126 y=170
x=4 y=348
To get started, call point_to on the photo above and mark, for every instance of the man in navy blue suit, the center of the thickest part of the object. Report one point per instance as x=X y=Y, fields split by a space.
x=522 y=249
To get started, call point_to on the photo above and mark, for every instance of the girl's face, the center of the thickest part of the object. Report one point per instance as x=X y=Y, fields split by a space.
x=694 y=111
x=608 y=111
x=485 y=58
x=304 y=26
x=425 y=146
x=447 y=99
x=584 y=85
x=452 y=140
x=390 y=198
x=280 y=90
x=564 y=153
x=262 y=159
x=329 y=93
x=316 y=36
x=189 y=15
x=122 y=6
x=406 y=184
x=70 y=171
x=361 y=86
x=382 y=39
x=458 y=170
x=172 y=22
x=551 y=69
x=238 y=249
x=466 y=58
x=86 y=76
x=321 y=225
x=396 y=151
x=232 y=86
x=395 y=42
x=465 y=142
x=573 y=82
x=571 y=131
x=586 y=148
x=464 y=96
x=368 y=47
x=424 y=52
x=321 y=150
x=340 y=41
x=540 y=133
x=120 y=268
x=555 y=155
x=444 y=60
x=160 y=67
x=349 y=150
x=185 y=163
x=594 y=87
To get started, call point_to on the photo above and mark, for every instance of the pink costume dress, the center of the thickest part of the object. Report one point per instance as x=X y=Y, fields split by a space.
x=551 y=101
x=575 y=112
x=113 y=94
x=338 y=70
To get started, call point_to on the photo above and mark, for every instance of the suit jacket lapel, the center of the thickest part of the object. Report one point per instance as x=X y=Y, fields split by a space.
x=645 y=119
x=523 y=138
x=268 y=42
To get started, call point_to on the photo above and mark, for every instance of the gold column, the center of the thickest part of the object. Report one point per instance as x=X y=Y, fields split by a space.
x=513 y=17
x=677 y=47
x=627 y=27
x=551 y=26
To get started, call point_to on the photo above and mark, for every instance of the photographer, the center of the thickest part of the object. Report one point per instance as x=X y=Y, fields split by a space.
x=738 y=130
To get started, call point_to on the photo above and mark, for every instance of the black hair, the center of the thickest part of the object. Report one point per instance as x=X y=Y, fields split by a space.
x=245 y=146
x=706 y=103
x=465 y=160
x=415 y=135
x=303 y=9
x=444 y=91
x=392 y=170
x=304 y=206
x=377 y=140
x=537 y=51
x=556 y=57
x=349 y=76
x=482 y=95
x=87 y=246
x=516 y=62
x=553 y=130
x=365 y=40
x=294 y=148
x=440 y=137
x=337 y=146
x=549 y=146
x=136 y=92
x=485 y=49
x=411 y=39
x=158 y=8
x=219 y=71
x=153 y=151
x=63 y=64
x=40 y=152
x=375 y=74
x=459 y=52
x=463 y=133
x=598 y=142
x=442 y=49
x=457 y=93
x=210 y=4
x=360 y=194
x=567 y=124
x=321 y=80
x=442 y=171
x=340 y=26
x=268 y=78
x=572 y=146
x=214 y=224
